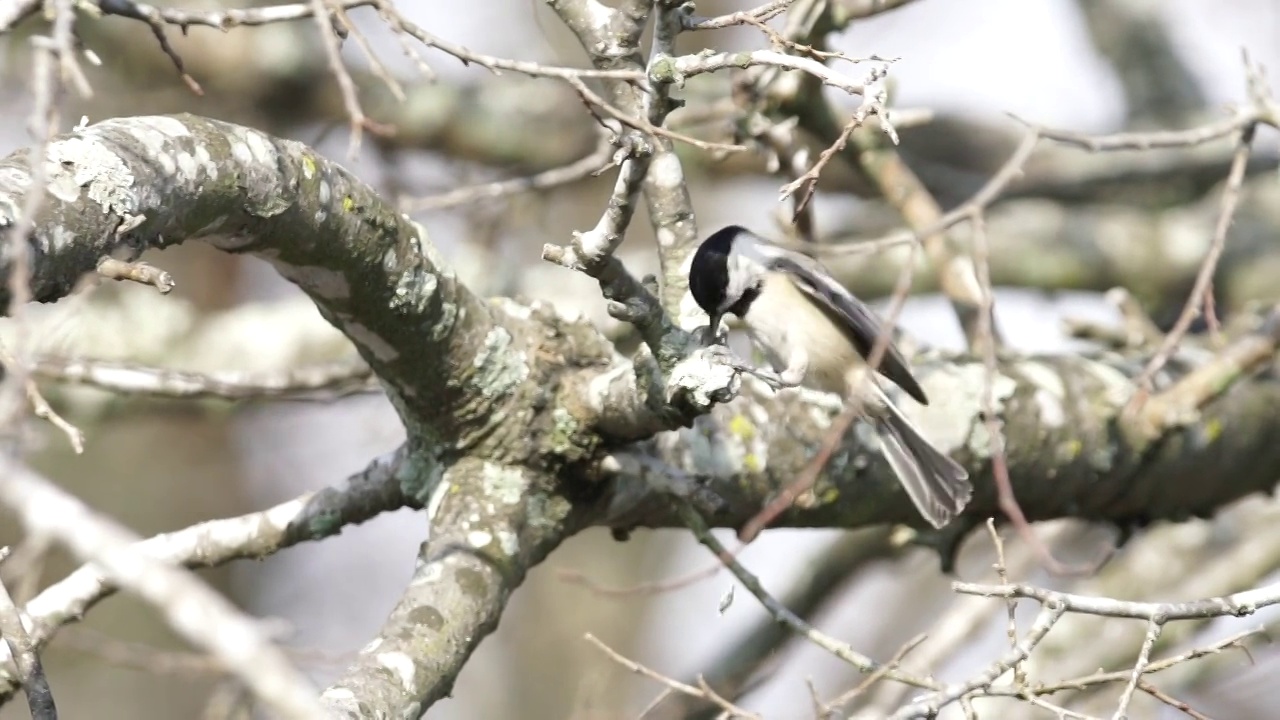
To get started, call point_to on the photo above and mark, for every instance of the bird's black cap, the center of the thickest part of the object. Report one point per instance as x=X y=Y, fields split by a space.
x=709 y=271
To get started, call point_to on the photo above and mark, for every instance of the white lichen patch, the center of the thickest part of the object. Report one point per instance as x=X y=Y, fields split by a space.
x=15 y=176
x=186 y=164
x=154 y=140
x=665 y=170
x=1052 y=413
x=1116 y=388
x=1050 y=393
x=196 y=165
x=260 y=147
x=501 y=368
x=401 y=665
x=202 y=155
x=324 y=282
x=704 y=378
x=163 y=124
x=479 y=538
x=365 y=337
x=212 y=227
x=416 y=287
x=60 y=236
x=511 y=308
x=76 y=165
x=501 y=484
x=241 y=153
x=509 y=543
x=955 y=399
x=432 y=574
x=599 y=389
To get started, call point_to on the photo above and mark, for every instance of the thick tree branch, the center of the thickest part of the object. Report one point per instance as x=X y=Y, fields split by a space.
x=119 y=187
x=1060 y=415
x=489 y=525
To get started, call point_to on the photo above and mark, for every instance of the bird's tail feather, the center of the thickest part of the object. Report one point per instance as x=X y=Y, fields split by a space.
x=938 y=485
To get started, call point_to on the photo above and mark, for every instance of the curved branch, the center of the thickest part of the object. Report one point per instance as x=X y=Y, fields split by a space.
x=123 y=186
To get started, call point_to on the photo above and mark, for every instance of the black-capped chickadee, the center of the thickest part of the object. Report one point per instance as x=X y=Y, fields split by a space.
x=815 y=332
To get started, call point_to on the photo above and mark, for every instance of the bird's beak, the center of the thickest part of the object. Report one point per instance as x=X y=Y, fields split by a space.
x=713 y=329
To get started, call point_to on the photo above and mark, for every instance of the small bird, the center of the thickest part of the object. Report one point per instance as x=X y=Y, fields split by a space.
x=815 y=332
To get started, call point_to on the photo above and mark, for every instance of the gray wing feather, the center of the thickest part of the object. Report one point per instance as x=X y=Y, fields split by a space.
x=850 y=313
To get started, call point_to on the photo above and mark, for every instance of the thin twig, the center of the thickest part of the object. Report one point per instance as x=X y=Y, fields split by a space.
x=689 y=515
x=1153 y=419
x=592 y=165
x=140 y=272
x=34 y=682
x=321 y=381
x=191 y=608
x=1154 y=627
x=703 y=693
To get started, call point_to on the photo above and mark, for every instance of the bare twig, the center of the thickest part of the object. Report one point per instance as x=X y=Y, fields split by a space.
x=831 y=708
x=140 y=272
x=1239 y=604
x=678 y=69
x=360 y=122
x=1153 y=417
x=1171 y=701
x=929 y=706
x=363 y=495
x=873 y=103
x=193 y=610
x=780 y=612
x=34 y=682
x=591 y=165
x=22 y=374
x=494 y=64
x=644 y=125
x=323 y=381
x=1231 y=642
x=765 y=12
x=702 y=692
x=1154 y=627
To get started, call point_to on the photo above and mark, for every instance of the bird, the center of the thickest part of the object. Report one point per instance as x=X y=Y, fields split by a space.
x=814 y=332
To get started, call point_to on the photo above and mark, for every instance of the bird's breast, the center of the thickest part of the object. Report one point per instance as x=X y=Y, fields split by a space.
x=783 y=320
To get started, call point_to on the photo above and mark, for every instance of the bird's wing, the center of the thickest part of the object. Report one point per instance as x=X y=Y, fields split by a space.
x=850 y=313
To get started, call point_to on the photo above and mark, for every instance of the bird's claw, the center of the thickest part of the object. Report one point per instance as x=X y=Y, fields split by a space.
x=772 y=379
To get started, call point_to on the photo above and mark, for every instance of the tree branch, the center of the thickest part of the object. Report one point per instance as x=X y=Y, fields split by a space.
x=1060 y=415
x=191 y=608
x=314 y=516
x=489 y=525
x=122 y=186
